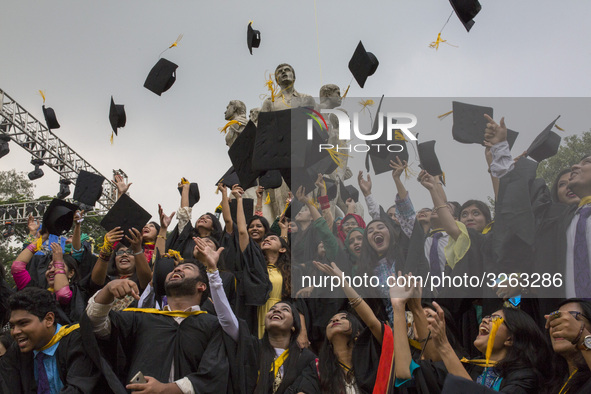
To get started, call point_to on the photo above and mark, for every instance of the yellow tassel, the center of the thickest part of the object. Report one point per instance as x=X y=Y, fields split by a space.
x=435 y=44
x=111 y=138
x=443 y=116
x=230 y=123
x=175 y=255
x=39 y=243
x=42 y=95
x=443 y=178
x=337 y=157
x=398 y=136
x=366 y=103
x=491 y=338
x=174 y=44
x=268 y=199
x=558 y=127
x=346 y=91
x=184 y=181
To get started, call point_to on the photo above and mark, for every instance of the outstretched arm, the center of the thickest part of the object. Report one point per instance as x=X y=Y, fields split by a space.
x=243 y=237
x=440 y=203
x=226 y=214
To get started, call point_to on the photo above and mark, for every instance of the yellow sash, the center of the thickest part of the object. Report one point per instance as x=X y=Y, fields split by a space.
x=167 y=313
x=279 y=362
x=479 y=362
x=62 y=332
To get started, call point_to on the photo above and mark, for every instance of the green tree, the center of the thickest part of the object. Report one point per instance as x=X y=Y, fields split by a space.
x=571 y=150
x=15 y=187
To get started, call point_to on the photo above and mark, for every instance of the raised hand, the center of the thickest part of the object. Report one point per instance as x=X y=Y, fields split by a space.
x=301 y=194
x=115 y=235
x=397 y=167
x=428 y=181
x=164 y=220
x=204 y=253
x=364 y=185
x=135 y=240
x=237 y=191
x=494 y=133
x=122 y=187
x=436 y=323
x=33 y=225
x=57 y=253
x=331 y=269
x=120 y=288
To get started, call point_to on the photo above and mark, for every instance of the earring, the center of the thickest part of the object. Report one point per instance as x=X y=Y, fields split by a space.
x=293 y=328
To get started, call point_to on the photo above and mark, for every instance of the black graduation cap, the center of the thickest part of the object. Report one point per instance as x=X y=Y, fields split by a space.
x=511 y=137
x=117 y=116
x=89 y=187
x=469 y=122
x=273 y=146
x=293 y=208
x=162 y=267
x=194 y=195
x=247 y=205
x=161 y=77
x=380 y=160
x=50 y=118
x=58 y=217
x=457 y=385
x=466 y=10
x=545 y=145
x=241 y=155
x=271 y=179
x=348 y=192
x=229 y=179
x=428 y=158
x=253 y=37
x=126 y=214
x=362 y=64
x=296 y=177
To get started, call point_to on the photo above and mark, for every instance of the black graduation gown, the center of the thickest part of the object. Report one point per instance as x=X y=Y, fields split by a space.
x=77 y=372
x=244 y=363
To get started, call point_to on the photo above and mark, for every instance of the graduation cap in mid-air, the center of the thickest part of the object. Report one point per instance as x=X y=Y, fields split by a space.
x=241 y=155
x=58 y=217
x=466 y=10
x=50 y=118
x=194 y=195
x=428 y=159
x=545 y=145
x=469 y=124
x=161 y=77
x=247 y=205
x=253 y=37
x=362 y=64
x=117 y=116
x=127 y=214
x=89 y=187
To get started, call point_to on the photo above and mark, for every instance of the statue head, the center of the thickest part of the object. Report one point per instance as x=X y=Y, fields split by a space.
x=235 y=107
x=330 y=96
x=284 y=75
x=254 y=114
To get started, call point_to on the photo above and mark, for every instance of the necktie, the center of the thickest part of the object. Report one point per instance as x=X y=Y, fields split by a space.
x=434 y=255
x=581 y=256
x=42 y=380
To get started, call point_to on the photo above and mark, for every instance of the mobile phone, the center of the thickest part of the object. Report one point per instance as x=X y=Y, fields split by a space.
x=138 y=378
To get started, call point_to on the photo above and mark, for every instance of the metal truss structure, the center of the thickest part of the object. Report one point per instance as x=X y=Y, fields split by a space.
x=25 y=130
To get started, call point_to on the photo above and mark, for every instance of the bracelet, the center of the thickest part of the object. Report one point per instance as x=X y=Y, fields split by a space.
x=58 y=265
x=578 y=338
x=355 y=302
x=104 y=256
x=324 y=202
x=210 y=270
x=31 y=248
x=439 y=207
x=60 y=272
x=140 y=252
x=161 y=236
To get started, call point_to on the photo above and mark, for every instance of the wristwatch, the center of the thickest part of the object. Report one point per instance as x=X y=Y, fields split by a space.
x=586 y=344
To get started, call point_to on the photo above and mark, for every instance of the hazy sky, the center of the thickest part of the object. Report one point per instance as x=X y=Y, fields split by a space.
x=80 y=53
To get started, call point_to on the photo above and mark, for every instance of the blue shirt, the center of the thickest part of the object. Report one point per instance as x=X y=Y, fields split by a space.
x=50 y=363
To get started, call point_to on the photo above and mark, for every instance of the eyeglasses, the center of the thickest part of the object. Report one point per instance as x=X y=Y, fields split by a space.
x=121 y=252
x=574 y=314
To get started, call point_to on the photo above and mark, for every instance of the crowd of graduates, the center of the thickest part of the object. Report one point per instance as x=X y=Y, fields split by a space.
x=231 y=301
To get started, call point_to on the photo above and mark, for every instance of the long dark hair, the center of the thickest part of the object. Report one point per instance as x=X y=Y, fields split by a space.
x=268 y=354
x=332 y=375
x=284 y=266
x=263 y=221
x=530 y=348
x=583 y=373
x=369 y=258
x=72 y=266
x=482 y=207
